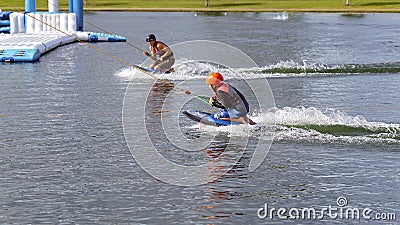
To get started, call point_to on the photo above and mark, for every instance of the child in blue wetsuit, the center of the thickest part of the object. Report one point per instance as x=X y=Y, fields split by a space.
x=234 y=104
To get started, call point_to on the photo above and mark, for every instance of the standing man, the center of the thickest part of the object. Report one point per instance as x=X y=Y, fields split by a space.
x=161 y=54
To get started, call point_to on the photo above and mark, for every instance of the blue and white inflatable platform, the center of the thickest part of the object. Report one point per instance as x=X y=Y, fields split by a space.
x=24 y=37
x=29 y=47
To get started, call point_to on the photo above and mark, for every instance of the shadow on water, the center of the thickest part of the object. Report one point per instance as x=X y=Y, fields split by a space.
x=224 y=190
x=218 y=198
x=345 y=130
x=353 y=15
x=211 y=14
x=235 y=4
x=335 y=69
x=380 y=4
x=153 y=115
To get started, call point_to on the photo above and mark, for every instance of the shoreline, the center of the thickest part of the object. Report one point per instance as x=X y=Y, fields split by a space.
x=245 y=10
x=294 y=10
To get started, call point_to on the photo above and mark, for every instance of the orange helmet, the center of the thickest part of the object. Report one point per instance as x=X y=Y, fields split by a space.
x=214 y=78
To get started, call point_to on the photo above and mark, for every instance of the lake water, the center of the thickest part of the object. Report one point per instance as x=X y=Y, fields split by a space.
x=334 y=79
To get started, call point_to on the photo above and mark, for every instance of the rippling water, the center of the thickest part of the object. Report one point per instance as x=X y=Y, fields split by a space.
x=64 y=158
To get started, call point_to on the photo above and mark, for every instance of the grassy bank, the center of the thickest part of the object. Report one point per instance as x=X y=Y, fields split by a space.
x=220 y=5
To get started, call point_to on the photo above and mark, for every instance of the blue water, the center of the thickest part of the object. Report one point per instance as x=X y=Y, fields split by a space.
x=335 y=78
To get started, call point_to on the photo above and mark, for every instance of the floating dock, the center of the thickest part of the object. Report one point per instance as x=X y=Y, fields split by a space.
x=24 y=37
x=29 y=47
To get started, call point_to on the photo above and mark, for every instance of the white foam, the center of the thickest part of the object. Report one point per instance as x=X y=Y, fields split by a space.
x=243 y=130
x=302 y=116
x=289 y=121
x=194 y=70
x=282 y=16
x=288 y=117
x=183 y=71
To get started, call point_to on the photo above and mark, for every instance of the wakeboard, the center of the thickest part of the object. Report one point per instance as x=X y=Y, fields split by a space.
x=147 y=69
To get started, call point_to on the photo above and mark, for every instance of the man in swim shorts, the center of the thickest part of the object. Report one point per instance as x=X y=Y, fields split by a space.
x=161 y=54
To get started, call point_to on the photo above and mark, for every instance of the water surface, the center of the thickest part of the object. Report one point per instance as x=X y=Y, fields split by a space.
x=64 y=158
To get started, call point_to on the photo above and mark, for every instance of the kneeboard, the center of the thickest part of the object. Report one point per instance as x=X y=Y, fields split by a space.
x=207 y=118
x=156 y=71
x=150 y=70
